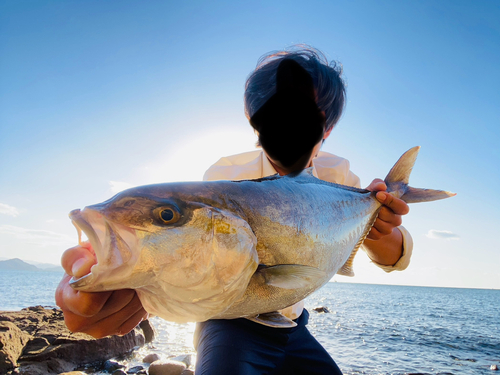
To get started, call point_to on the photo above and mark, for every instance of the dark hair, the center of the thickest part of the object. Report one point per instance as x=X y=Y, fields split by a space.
x=327 y=80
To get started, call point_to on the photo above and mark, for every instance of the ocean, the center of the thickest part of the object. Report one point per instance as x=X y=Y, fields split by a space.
x=371 y=329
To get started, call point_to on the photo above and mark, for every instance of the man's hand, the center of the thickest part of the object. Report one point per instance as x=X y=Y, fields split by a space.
x=384 y=244
x=97 y=314
x=389 y=216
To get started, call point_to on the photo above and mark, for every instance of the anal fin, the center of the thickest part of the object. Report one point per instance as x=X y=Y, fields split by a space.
x=273 y=319
x=346 y=269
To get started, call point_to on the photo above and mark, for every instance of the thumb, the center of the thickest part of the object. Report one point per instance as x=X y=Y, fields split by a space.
x=377 y=185
x=77 y=261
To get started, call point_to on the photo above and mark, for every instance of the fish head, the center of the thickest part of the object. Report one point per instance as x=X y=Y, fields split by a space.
x=117 y=230
x=183 y=249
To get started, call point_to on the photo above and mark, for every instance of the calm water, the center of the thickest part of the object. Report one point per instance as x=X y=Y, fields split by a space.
x=378 y=329
x=372 y=329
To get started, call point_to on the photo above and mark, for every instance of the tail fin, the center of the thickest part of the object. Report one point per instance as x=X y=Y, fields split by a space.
x=398 y=178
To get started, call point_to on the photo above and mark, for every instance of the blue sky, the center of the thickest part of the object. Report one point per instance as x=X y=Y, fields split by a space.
x=96 y=96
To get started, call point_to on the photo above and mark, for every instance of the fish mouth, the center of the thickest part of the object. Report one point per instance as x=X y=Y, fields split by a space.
x=112 y=244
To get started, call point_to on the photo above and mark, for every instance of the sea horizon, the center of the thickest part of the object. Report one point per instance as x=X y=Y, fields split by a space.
x=333 y=280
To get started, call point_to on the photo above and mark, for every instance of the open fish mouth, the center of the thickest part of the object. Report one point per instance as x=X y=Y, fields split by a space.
x=84 y=226
x=111 y=243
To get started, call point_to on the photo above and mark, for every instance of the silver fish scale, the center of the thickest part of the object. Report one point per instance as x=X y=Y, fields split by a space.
x=303 y=221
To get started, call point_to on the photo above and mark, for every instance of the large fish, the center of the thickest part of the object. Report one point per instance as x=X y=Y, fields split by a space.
x=229 y=249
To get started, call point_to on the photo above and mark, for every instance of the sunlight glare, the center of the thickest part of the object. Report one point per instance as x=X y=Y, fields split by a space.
x=194 y=155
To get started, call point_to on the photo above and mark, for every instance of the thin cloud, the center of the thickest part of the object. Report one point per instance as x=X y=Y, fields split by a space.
x=442 y=234
x=117 y=186
x=38 y=237
x=8 y=210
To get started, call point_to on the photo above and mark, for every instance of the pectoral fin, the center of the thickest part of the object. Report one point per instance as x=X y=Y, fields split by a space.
x=290 y=276
x=273 y=319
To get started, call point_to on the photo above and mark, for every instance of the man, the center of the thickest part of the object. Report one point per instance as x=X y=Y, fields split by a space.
x=320 y=94
x=291 y=127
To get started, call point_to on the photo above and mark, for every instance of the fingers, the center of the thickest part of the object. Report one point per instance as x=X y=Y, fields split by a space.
x=80 y=303
x=374 y=234
x=98 y=314
x=377 y=185
x=398 y=206
x=395 y=204
x=133 y=321
x=121 y=322
x=59 y=291
x=83 y=303
x=119 y=300
x=389 y=216
x=380 y=229
x=74 y=321
x=78 y=260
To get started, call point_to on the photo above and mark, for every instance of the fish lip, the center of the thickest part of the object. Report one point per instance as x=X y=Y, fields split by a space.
x=82 y=281
x=82 y=225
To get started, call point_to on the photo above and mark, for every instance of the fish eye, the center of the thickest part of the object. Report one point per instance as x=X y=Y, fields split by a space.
x=168 y=215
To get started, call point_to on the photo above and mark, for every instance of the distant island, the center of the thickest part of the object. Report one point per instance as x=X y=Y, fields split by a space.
x=17 y=264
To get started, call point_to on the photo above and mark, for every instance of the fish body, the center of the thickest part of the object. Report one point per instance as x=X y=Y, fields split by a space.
x=229 y=249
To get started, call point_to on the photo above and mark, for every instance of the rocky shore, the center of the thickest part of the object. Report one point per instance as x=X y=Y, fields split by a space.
x=35 y=341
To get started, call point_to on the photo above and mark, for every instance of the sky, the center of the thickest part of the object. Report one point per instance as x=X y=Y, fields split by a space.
x=99 y=96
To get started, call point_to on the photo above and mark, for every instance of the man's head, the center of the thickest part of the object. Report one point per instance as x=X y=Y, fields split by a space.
x=293 y=99
x=327 y=81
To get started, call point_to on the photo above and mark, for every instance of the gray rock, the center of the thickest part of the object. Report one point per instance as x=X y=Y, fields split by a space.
x=148 y=330
x=186 y=358
x=46 y=340
x=110 y=366
x=321 y=309
x=168 y=367
x=135 y=370
x=150 y=358
x=12 y=341
x=51 y=366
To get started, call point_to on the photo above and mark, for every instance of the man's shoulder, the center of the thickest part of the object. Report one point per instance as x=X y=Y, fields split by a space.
x=239 y=159
x=330 y=158
x=242 y=166
x=333 y=168
x=325 y=160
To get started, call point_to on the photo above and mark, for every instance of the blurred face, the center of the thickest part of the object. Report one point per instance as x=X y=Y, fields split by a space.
x=284 y=171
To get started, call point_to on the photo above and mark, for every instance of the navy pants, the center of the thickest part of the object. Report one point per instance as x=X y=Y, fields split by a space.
x=242 y=347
